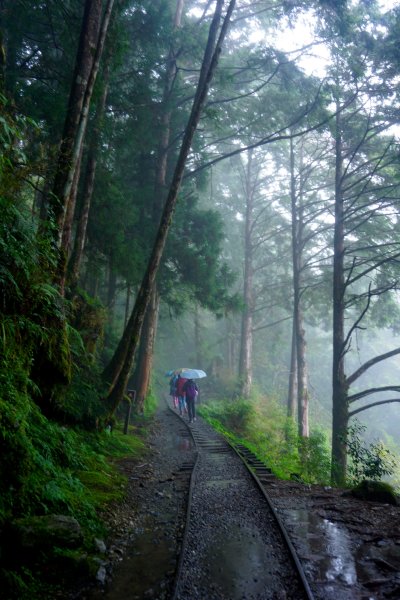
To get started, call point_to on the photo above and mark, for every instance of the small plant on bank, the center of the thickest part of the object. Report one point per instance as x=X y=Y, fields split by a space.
x=367 y=462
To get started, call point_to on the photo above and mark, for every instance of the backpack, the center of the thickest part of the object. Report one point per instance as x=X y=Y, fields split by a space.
x=191 y=389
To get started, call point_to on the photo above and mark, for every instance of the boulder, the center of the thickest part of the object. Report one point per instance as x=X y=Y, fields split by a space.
x=45 y=532
x=375 y=491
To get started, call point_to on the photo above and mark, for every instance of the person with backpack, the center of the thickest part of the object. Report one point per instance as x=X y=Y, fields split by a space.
x=191 y=390
x=181 y=381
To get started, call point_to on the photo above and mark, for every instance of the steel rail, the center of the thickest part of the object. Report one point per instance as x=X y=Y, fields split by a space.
x=188 y=507
x=291 y=548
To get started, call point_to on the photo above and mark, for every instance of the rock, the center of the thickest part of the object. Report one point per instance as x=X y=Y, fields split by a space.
x=101 y=575
x=100 y=546
x=44 y=532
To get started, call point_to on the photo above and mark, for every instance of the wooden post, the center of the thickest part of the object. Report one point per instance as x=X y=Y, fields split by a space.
x=132 y=396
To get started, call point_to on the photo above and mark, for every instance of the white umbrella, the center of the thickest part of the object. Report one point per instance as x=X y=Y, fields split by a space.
x=192 y=373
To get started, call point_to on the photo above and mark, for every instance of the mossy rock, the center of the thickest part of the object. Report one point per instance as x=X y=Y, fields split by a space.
x=32 y=534
x=376 y=491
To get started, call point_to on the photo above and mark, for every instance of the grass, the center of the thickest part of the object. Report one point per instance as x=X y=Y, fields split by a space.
x=262 y=426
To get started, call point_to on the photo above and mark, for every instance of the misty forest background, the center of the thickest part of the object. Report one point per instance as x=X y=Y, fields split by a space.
x=181 y=187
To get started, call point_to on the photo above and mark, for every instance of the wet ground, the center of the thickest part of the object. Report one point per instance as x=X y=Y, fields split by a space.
x=350 y=548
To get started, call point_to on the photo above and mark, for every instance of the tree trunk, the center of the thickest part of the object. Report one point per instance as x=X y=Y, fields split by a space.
x=127 y=303
x=339 y=383
x=197 y=337
x=302 y=378
x=58 y=200
x=69 y=217
x=230 y=348
x=91 y=165
x=299 y=333
x=143 y=370
x=145 y=361
x=111 y=292
x=131 y=336
x=72 y=146
x=246 y=342
x=2 y=63
x=292 y=392
x=158 y=197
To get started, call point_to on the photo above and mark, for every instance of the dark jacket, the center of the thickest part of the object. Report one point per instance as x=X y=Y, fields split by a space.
x=190 y=388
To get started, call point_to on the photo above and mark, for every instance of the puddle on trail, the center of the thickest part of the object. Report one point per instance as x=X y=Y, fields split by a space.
x=149 y=562
x=146 y=563
x=326 y=548
x=240 y=573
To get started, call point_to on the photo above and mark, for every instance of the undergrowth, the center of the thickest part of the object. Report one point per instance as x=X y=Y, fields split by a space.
x=263 y=427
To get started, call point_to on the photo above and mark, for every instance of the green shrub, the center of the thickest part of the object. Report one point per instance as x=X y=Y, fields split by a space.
x=367 y=462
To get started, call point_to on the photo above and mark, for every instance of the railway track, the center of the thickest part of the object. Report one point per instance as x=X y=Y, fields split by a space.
x=234 y=544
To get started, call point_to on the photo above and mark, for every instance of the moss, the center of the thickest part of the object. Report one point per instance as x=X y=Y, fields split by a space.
x=88 y=317
x=102 y=487
x=376 y=491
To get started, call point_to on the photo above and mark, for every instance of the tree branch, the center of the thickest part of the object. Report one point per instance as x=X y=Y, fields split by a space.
x=386 y=388
x=358 y=410
x=370 y=363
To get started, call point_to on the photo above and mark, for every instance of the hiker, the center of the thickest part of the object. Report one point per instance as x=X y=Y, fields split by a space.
x=181 y=394
x=191 y=390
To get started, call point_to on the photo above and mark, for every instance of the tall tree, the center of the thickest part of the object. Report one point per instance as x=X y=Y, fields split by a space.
x=143 y=368
x=245 y=357
x=130 y=340
x=62 y=200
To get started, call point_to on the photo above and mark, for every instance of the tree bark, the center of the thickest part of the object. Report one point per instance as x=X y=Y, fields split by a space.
x=69 y=215
x=230 y=361
x=69 y=155
x=58 y=200
x=296 y=200
x=292 y=392
x=246 y=340
x=111 y=292
x=145 y=360
x=75 y=262
x=127 y=303
x=131 y=335
x=197 y=337
x=339 y=383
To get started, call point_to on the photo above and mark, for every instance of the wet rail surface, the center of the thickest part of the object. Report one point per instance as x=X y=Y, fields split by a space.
x=234 y=546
